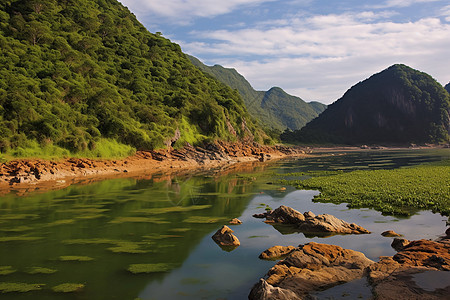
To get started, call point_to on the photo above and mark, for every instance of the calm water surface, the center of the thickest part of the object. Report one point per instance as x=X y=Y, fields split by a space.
x=92 y=234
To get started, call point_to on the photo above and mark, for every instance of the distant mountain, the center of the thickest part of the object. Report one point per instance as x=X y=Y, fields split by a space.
x=275 y=108
x=78 y=73
x=398 y=105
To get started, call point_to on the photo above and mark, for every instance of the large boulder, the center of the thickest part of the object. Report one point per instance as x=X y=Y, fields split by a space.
x=313 y=267
x=309 y=222
x=276 y=252
x=225 y=237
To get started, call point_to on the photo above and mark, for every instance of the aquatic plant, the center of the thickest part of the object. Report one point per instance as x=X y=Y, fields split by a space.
x=68 y=287
x=21 y=238
x=150 y=268
x=120 y=220
x=75 y=258
x=19 y=287
x=6 y=270
x=399 y=192
x=163 y=210
x=202 y=219
x=40 y=270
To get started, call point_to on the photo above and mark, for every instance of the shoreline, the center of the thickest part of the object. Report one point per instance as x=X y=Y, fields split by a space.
x=28 y=175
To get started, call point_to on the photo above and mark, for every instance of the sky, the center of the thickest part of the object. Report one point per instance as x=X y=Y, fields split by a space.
x=313 y=49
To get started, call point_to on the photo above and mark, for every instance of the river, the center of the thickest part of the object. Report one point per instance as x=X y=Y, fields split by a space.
x=98 y=235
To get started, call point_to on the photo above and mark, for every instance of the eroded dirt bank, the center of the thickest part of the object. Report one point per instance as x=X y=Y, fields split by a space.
x=32 y=174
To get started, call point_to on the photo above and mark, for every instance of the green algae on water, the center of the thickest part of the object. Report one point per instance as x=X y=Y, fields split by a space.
x=60 y=222
x=75 y=258
x=20 y=238
x=6 y=270
x=172 y=209
x=203 y=220
x=120 y=220
x=150 y=268
x=40 y=270
x=127 y=247
x=68 y=287
x=19 y=287
x=17 y=229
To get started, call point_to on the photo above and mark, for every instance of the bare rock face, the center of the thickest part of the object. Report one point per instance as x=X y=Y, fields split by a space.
x=264 y=291
x=309 y=222
x=276 y=252
x=425 y=253
x=225 y=237
x=314 y=267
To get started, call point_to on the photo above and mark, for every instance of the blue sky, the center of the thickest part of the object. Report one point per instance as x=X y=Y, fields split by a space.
x=314 y=49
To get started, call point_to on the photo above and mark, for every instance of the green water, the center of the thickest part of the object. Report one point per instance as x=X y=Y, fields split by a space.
x=151 y=238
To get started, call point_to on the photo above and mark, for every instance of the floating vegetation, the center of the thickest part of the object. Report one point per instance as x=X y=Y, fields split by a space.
x=205 y=220
x=40 y=270
x=172 y=209
x=75 y=258
x=120 y=246
x=16 y=229
x=89 y=217
x=120 y=220
x=399 y=191
x=18 y=216
x=180 y=229
x=60 y=222
x=87 y=210
x=6 y=270
x=19 y=287
x=68 y=287
x=150 y=268
x=161 y=236
x=21 y=238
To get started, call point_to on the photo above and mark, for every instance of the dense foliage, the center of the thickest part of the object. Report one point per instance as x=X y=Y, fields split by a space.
x=447 y=87
x=399 y=105
x=400 y=191
x=74 y=73
x=275 y=109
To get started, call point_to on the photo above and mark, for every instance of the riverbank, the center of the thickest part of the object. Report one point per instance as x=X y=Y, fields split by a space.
x=26 y=175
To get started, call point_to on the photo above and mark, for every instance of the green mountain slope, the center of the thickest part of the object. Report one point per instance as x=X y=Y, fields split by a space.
x=397 y=105
x=77 y=73
x=275 y=108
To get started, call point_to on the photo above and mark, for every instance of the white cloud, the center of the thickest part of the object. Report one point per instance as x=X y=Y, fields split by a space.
x=445 y=12
x=319 y=57
x=402 y=3
x=184 y=10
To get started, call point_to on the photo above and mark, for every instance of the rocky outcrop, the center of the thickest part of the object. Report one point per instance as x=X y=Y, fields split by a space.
x=276 y=252
x=390 y=233
x=314 y=267
x=235 y=221
x=309 y=222
x=398 y=244
x=225 y=237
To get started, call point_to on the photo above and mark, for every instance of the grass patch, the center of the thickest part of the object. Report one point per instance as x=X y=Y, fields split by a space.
x=6 y=270
x=396 y=192
x=121 y=220
x=68 y=287
x=75 y=258
x=40 y=270
x=150 y=268
x=172 y=209
x=19 y=287
x=203 y=220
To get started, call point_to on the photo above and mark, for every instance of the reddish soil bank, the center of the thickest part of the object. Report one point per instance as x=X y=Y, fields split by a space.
x=36 y=174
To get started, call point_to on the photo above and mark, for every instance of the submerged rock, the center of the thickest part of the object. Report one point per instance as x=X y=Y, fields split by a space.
x=225 y=237
x=309 y=222
x=276 y=252
x=235 y=221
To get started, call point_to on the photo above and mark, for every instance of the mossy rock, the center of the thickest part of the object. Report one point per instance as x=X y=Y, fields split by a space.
x=19 y=287
x=68 y=288
x=150 y=268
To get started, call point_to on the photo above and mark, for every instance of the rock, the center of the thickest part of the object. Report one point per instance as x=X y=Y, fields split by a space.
x=313 y=267
x=264 y=291
x=261 y=216
x=235 y=221
x=399 y=244
x=425 y=253
x=390 y=233
x=285 y=215
x=311 y=223
x=276 y=252
x=225 y=237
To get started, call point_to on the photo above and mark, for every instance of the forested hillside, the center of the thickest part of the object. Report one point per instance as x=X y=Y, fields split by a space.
x=275 y=109
x=447 y=87
x=396 y=106
x=78 y=74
